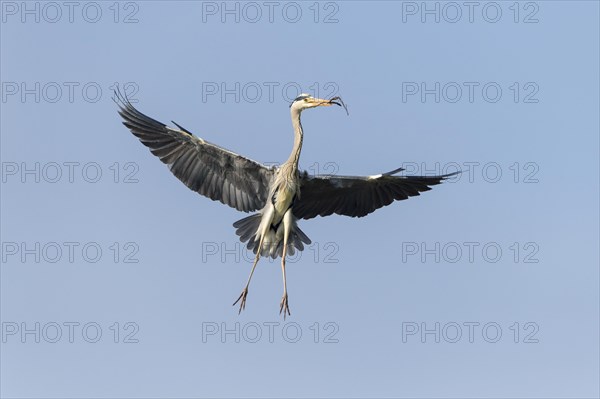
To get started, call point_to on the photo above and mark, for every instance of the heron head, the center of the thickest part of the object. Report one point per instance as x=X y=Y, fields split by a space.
x=305 y=101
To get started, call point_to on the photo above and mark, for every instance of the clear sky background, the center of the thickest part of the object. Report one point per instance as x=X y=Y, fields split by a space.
x=487 y=286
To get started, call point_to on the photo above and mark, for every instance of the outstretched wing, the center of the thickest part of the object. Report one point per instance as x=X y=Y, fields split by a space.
x=212 y=171
x=357 y=196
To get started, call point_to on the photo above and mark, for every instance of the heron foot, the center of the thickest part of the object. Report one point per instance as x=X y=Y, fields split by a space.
x=283 y=306
x=242 y=297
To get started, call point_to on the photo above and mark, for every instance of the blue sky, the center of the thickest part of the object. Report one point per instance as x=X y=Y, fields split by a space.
x=487 y=286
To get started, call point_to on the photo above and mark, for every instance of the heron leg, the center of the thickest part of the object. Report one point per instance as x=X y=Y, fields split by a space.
x=283 y=306
x=244 y=293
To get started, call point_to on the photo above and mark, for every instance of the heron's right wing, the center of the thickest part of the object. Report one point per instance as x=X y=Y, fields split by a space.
x=357 y=196
x=212 y=171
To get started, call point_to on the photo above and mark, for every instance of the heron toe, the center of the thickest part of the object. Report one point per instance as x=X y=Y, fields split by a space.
x=242 y=297
x=283 y=306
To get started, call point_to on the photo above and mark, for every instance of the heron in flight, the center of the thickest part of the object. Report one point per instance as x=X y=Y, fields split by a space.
x=281 y=195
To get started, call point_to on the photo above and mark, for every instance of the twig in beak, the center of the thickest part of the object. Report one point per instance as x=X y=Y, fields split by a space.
x=338 y=101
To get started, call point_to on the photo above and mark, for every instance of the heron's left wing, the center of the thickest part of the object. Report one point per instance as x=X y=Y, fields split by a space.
x=357 y=196
x=212 y=171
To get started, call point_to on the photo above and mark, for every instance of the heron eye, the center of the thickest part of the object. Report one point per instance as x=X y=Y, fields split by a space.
x=306 y=99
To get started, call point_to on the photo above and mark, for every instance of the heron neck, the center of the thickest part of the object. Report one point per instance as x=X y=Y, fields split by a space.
x=298 y=136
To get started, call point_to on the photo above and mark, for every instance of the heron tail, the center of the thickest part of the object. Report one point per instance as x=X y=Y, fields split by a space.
x=247 y=229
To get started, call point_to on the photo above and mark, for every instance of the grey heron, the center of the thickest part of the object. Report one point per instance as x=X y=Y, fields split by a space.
x=281 y=195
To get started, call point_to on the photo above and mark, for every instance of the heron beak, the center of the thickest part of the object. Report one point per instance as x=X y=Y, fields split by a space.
x=318 y=102
x=326 y=103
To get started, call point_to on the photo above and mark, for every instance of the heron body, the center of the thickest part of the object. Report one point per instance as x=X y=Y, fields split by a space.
x=274 y=224
x=280 y=195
